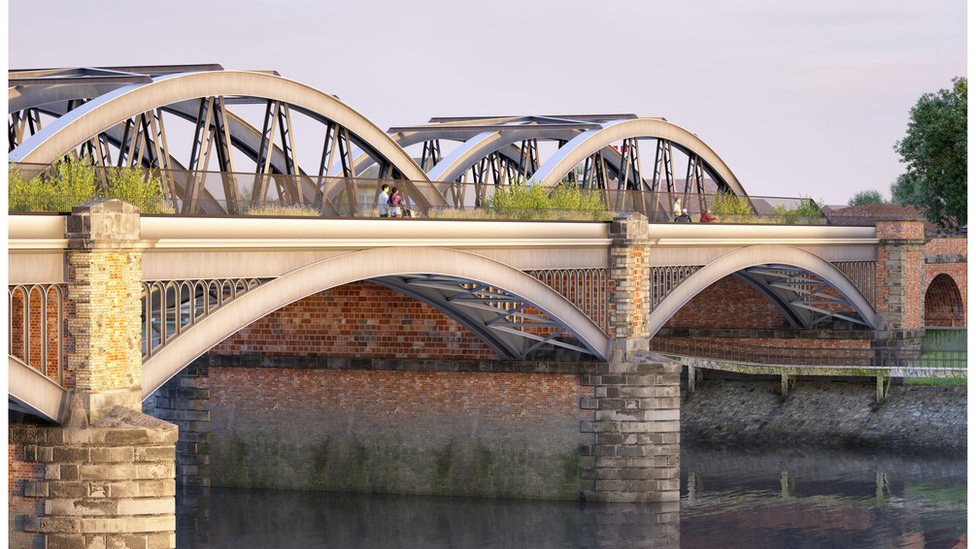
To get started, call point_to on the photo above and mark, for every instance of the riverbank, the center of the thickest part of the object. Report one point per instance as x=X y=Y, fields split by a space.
x=741 y=413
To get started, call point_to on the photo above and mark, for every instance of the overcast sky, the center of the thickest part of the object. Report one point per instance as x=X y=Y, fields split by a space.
x=798 y=98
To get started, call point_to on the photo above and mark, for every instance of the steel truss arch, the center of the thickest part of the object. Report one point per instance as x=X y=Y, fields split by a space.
x=813 y=289
x=589 y=142
x=395 y=266
x=94 y=117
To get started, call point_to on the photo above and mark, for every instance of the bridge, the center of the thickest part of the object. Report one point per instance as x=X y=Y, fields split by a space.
x=518 y=286
x=464 y=349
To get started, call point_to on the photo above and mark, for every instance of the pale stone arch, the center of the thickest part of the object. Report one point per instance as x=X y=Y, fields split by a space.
x=755 y=256
x=365 y=265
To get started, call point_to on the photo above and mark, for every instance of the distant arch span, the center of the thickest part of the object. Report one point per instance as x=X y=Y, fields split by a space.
x=743 y=259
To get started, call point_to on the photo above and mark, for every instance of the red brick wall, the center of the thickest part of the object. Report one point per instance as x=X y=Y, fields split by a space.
x=20 y=471
x=729 y=303
x=403 y=394
x=943 y=303
x=17 y=320
x=943 y=248
x=767 y=350
x=489 y=434
x=903 y=310
x=947 y=246
x=357 y=320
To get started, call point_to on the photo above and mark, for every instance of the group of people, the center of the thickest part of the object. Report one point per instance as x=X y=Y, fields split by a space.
x=390 y=203
x=681 y=214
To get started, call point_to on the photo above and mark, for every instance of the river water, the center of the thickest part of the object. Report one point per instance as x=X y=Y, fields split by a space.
x=729 y=498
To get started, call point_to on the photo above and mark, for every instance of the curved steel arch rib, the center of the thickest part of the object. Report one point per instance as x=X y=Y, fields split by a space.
x=746 y=260
x=107 y=110
x=590 y=141
x=378 y=263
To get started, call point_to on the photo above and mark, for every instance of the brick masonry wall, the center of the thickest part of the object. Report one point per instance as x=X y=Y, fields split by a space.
x=18 y=316
x=944 y=305
x=728 y=303
x=900 y=273
x=357 y=320
x=491 y=434
x=21 y=472
x=103 y=344
x=110 y=485
x=946 y=246
x=946 y=256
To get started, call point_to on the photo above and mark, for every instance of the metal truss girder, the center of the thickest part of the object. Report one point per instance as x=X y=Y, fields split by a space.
x=481 y=309
x=95 y=116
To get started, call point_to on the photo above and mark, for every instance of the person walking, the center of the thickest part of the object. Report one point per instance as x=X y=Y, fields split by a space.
x=684 y=217
x=396 y=203
x=383 y=201
x=677 y=208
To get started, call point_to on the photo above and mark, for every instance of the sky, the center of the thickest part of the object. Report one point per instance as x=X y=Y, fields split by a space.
x=799 y=99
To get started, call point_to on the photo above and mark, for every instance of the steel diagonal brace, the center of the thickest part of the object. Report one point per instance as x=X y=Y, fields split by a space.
x=543 y=341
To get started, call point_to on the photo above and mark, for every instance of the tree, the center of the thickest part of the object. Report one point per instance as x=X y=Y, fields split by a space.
x=934 y=149
x=866 y=197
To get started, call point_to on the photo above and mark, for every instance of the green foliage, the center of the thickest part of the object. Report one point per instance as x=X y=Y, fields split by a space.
x=137 y=187
x=866 y=197
x=934 y=149
x=73 y=183
x=527 y=201
x=26 y=195
x=70 y=182
x=809 y=211
x=729 y=206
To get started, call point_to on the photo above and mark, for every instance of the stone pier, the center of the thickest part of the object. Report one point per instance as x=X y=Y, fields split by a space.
x=633 y=423
x=106 y=477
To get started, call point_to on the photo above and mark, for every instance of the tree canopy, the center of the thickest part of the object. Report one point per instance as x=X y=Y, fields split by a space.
x=934 y=151
x=866 y=197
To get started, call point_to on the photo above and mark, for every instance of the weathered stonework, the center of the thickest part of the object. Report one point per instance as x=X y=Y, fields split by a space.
x=103 y=344
x=631 y=424
x=108 y=485
x=185 y=402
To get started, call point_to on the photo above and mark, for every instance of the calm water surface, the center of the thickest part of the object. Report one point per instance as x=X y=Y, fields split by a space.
x=729 y=498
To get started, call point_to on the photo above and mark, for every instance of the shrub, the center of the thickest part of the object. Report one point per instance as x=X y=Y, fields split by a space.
x=73 y=184
x=527 y=201
x=281 y=210
x=729 y=204
x=137 y=187
x=27 y=195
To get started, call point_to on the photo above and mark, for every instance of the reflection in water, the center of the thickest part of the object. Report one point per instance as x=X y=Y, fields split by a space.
x=729 y=499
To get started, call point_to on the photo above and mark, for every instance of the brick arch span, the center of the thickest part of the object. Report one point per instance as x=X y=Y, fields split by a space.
x=943 y=302
x=383 y=264
x=750 y=262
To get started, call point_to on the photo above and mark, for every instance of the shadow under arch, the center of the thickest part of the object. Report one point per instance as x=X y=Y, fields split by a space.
x=943 y=302
x=756 y=256
x=365 y=265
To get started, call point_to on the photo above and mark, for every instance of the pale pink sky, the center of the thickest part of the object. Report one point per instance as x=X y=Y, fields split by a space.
x=798 y=98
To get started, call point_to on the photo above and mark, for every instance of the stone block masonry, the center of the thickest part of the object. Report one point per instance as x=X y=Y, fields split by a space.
x=632 y=431
x=109 y=485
